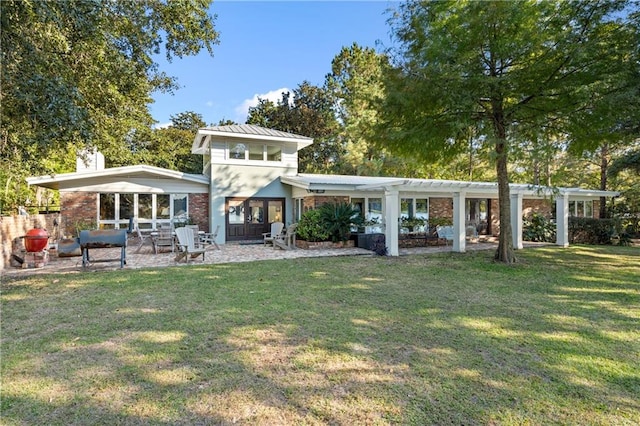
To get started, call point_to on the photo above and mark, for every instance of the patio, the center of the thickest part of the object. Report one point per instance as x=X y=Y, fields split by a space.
x=230 y=252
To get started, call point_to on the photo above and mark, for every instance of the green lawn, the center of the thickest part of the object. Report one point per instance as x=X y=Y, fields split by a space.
x=437 y=339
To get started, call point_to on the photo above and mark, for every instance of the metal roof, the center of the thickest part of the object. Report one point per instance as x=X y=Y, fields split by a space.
x=245 y=131
x=368 y=183
x=66 y=180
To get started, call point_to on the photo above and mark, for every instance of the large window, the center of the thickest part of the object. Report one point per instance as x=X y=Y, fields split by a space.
x=581 y=208
x=254 y=152
x=148 y=209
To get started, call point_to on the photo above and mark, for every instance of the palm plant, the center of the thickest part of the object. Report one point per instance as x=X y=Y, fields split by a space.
x=338 y=219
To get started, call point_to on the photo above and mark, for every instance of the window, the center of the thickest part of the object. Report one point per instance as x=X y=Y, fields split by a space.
x=255 y=152
x=145 y=206
x=163 y=206
x=274 y=153
x=179 y=205
x=116 y=209
x=581 y=208
x=422 y=208
x=275 y=211
x=107 y=206
x=374 y=209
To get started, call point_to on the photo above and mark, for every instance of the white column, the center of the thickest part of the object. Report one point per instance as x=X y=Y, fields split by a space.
x=516 y=220
x=459 y=232
x=562 y=220
x=391 y=214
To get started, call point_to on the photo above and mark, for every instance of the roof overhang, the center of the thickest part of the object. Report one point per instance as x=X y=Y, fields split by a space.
x=244 y=132
x=317 y=183
x=69 y=181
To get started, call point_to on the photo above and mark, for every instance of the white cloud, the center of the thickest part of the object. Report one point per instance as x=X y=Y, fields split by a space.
x=209 y=104
x=274 y=96
x=162 y=125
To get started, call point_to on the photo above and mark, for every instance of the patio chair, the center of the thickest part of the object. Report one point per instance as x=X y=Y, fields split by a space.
x=142 y=239
x=163 y=238
x=189 y=247
x=210 y=237
x=276 y=229
x=286 y=240
x=446 y=233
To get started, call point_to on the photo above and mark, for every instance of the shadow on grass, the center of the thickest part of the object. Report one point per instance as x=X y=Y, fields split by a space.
x=417 y=340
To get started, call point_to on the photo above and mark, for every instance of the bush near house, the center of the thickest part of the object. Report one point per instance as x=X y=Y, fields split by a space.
x=310 y=227
x=586 y=230
x=538 y=228
x=338 y=220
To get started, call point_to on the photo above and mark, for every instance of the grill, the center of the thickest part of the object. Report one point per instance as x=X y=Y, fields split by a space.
x=103 y=239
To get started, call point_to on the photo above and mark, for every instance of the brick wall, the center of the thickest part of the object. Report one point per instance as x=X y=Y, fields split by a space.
x=315 y=201
x=199 y=211
x=543 y=207
x=441 y=207
x=77 y=207
x=14 y=227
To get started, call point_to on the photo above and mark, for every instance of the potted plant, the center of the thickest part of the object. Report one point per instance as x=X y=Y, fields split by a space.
x=411 y=223
x=338 y=220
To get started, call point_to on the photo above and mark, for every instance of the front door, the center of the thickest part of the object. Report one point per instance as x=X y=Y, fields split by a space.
x=249 y=218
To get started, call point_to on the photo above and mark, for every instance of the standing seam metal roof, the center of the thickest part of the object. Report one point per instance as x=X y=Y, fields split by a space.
x=250 y=129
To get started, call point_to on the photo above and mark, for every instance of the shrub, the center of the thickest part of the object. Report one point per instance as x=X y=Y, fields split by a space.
x=311 y=228
x=538 y=228
x=338 y=219
x=588 y=230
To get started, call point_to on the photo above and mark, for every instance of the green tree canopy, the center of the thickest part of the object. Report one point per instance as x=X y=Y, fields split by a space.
x=308 y=111
x=81 y=72
x=507 y=70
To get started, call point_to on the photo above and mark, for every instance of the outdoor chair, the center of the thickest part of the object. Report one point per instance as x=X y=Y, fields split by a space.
x=210 y=238
x=276 y=229
x=142 y=239
x=446 y=233
x=189 y=247
x=163 y=238
x=287 y=239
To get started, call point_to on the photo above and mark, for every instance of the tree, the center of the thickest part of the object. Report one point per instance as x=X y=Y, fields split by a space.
x=308 y=112
x=507 y=69
x=80 y=74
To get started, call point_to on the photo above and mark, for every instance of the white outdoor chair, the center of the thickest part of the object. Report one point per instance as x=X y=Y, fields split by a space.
x=286 y=240
x=210 y=237
x=142 y=239
x=189 y=247
x=446 y=233
x=276 y=229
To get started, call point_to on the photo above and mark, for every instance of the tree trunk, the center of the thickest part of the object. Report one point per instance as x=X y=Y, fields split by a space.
x=505 y=252
x=604 y=164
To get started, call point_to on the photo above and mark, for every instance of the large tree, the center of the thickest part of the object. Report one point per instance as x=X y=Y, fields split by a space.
x=506 y=69
x=308 y=111
x=81 y=73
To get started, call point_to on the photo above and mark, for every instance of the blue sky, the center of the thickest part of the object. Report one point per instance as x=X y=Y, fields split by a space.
x=266 y=47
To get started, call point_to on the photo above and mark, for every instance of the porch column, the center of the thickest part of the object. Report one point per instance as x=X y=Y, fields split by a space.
x=459 y=231
x=562 y=220
x=516 y=220
x=392 y=211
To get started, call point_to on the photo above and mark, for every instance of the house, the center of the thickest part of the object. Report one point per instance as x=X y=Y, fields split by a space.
x=250 y=179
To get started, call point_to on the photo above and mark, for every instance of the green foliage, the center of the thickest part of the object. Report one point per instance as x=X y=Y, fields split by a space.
x=338 y=219
x=538 y=228
x=311 y=228
x=79 y=74
x=508 y=71
x=308 y=112
x=439 y=221
x=586 y=230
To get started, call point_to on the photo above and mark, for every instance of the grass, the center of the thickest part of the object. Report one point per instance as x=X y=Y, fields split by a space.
x=437 y=339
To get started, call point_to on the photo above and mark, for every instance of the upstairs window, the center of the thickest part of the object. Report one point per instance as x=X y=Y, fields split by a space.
x=255 y=152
